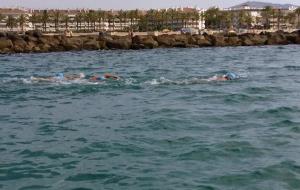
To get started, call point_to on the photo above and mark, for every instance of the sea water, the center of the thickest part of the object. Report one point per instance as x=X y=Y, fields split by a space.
x=163 y=125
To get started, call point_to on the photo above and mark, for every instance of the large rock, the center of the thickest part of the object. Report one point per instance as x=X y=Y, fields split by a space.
x=12 y=35
x=28 y=38
x=140 y=42
x=3 y=34
x=233 y=41
x=258 y=39
x=291 y=38
x=119 y=43
x=201 y=41
x=276 y=39
x=5 y=43
x=165 y=40
x=218 y=40
x=20 y=45
x=34 y=33
x=91 y=45
x=74 y=43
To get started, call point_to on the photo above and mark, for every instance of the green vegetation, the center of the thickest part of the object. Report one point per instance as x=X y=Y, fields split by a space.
x=11 y=22
x=152 y=20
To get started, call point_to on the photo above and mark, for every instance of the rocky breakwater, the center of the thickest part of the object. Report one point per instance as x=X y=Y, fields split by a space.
x=35 y=41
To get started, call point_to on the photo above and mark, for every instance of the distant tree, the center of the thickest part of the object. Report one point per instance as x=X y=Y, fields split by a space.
x=78 y=19
x=133 y=15
x=56 y=18
x=45 y=19
x=101 y=15
x=2 y=17
x=266 y=15
x=212 y=18
x=195 y=18
x=66 y=20
x=34 y=18
x=291 y=18
x=111 y=20
x=11 y=22
x=91 y=18
x=22 y=21
x=279 y=15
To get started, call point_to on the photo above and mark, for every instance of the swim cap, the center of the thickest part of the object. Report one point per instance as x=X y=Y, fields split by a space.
x=231 y=76
x=60 y=75
x=81 y=75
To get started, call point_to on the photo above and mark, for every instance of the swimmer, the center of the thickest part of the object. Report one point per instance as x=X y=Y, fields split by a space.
x=227 y=76
x=104 y=77
x=75 y=77
x=59 y=77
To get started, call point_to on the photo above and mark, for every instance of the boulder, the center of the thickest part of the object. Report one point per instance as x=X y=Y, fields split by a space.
x=12 y=35
x=5 y=51
x=44 y=48
x=30 y=45
x=3 y=34
x=74 y=43
x=165 y=40
x=276 y=39
x=28 y=38
x=34 y=33
x=218 y=40
x=5 y=43
x=141 y=42
x=291 y=38
x=258 y=39
x=119 y=43
x=91 y=45
x=201 y=41
x=20 y=42
x=20 y=45
x=233 y=41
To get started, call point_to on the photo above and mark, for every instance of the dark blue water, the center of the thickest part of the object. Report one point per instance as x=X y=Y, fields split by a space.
x=162 y=126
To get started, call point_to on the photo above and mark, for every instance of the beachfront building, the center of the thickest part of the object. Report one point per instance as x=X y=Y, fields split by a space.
x=267 y=15
x=10 y=19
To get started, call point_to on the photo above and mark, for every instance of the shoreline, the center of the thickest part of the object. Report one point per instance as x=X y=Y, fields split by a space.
x=37 y=42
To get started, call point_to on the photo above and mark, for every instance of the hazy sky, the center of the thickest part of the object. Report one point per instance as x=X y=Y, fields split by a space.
x=126 y=4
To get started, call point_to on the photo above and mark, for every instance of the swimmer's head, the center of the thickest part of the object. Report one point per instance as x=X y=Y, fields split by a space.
x=81 y=75
x=231 y=76
x=60 y=75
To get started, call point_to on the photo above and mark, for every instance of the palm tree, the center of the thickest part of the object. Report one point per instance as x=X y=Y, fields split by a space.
x=266 y=14
x=78 y=20
x=195 y=18
x=11 y=22
x=291 y=18
x=22 y=21
x=35 y=18
x=212 y=18
x=120 y=17
x=91 y=19
x=66 y=20
x=111 y=20
x=56 y=18
x=225 y=20
x=101 y=18
x=297 y=11
x=133 y=16
x=279 y=16
x=45 y=19
x=2 y=17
